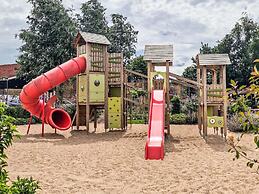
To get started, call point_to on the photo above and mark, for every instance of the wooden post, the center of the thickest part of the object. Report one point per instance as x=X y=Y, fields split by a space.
x=199 y=98
x=126 y=96
x=29 y=124
x=87 y=107
x=106 y=75
x=167 y=99
x=95 y=119
x=122 y=93
x=224 y=99
x=77 y=94
x=204 y=82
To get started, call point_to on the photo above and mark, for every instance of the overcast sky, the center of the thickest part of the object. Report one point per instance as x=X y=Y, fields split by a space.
x=183 y=23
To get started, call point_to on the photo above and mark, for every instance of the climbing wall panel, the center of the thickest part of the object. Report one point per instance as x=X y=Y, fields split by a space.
x=114 y=112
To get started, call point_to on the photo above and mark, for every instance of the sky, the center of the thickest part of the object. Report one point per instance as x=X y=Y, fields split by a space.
x=183 y=23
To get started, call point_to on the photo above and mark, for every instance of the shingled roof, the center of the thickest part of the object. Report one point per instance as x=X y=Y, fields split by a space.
x=92 y=38
x=213 y=59
x=158 y=53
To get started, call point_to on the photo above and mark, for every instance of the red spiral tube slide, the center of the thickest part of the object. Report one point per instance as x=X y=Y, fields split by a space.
x=30 y=94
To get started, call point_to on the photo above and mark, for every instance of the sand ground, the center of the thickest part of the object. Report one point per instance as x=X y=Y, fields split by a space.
x=113 y=162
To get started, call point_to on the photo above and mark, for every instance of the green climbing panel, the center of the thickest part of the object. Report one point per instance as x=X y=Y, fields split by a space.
x=114 y=112
x=82 y=88
x=96 y=87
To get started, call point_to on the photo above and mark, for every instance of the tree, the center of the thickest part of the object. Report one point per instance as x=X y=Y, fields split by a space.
x=93 y=18
x=122 y=36
x=190 y=72
x=242 y=45
x=120 y=33
x=47 y=42
x=138 y=64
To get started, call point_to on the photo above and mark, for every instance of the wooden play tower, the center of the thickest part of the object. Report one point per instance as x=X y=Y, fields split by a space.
x=159 y=56
x=100 y=87
x=211 y=82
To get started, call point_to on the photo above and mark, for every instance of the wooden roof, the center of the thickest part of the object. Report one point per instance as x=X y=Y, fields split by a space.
x=213 y=59
x=92 y=38
x=158 y=53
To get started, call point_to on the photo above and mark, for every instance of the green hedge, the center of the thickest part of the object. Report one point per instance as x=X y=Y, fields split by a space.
x=136 y=121
x=17 y=112
x=180 y=118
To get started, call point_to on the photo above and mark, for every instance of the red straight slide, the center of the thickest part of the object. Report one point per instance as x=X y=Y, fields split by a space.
x=155 y=140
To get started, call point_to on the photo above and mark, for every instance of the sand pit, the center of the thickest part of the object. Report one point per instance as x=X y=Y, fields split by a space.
x=113 y=162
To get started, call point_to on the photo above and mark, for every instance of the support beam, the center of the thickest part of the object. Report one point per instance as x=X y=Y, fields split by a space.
x=167 y=99
x=199 y=100
x=224 y=100
x=204 y=95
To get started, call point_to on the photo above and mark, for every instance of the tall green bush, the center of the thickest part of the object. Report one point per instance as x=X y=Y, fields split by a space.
x=176 y=105
x=7 y=133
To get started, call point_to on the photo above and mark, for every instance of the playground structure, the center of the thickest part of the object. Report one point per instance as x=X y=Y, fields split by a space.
x=158 y=93
x=103 y=86
x=211 y=82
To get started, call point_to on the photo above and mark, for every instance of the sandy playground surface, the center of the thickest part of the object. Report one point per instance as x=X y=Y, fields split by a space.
x=113 y=162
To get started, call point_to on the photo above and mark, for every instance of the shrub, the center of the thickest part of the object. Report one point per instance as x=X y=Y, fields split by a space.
x=7 y=133
x=70 y=108
x=17 y=112
x=24 y=186
x=139 y=121
x=178 y=118
x=237 y=122
x=176 y=105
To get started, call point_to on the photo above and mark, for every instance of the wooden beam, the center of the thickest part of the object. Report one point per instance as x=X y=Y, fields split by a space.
x=199 y=101
x=135 y=102
x=185 y=79
x=204 y=101
x=136 y=73
x=87 y=107
x=122 y=93
x=183 y=83
x=106 y=90
x=77 y=93
x=167 y=99
x=224 y=100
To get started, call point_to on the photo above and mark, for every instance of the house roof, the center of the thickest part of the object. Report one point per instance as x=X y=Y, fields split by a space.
x=158 y=53
x=213 y=59
x=92 y=38
x=8 y=70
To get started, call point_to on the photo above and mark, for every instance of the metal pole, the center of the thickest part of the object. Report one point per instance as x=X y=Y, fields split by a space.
x=7 y=90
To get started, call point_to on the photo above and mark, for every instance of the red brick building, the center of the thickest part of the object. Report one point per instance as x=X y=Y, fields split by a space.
x=8 y=70
x=8 y=77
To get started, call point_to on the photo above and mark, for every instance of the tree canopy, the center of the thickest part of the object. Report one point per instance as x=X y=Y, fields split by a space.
x=47 y=42
x=122 y=36
x=121 y=33
x=92 y=18
x=242 y=45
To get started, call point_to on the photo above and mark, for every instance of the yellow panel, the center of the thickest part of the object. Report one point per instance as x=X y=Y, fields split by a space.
x=96 y=96
x=215 y=122
x=97 y=78
x=114 y=121
x=114 y=104
x=82 y=88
